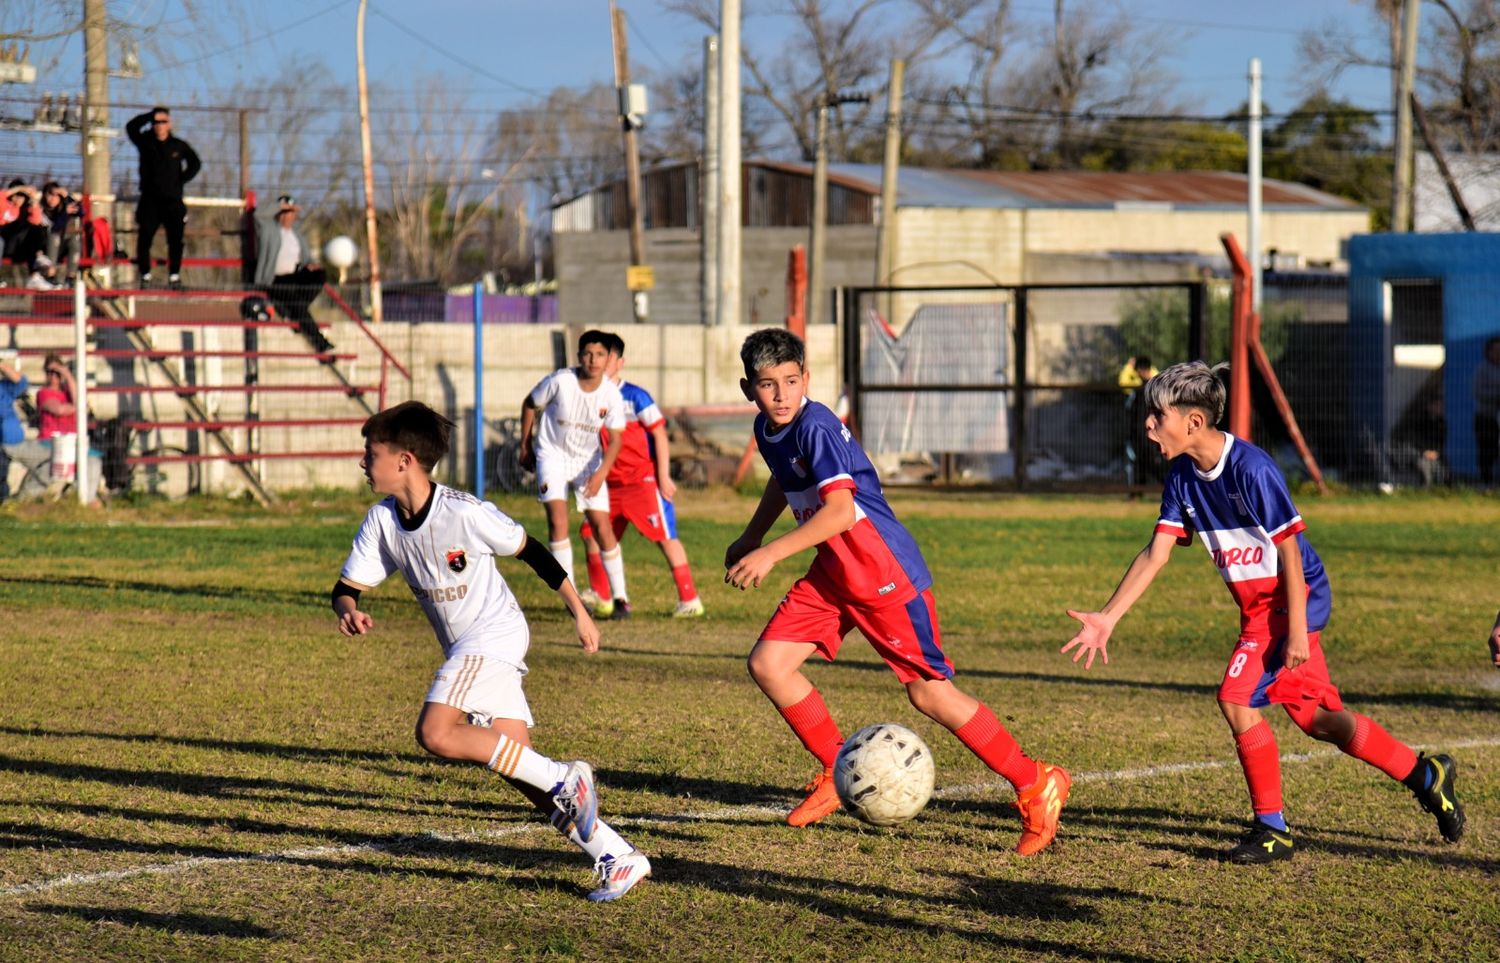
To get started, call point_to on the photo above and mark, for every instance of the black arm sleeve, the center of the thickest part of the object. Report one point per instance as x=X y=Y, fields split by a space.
x=134 y=129
x=542 y=563
x=342 y=588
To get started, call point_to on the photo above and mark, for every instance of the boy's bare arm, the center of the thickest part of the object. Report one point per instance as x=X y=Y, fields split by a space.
x=835 y=517
x=772 y=504
x=596 y=480
x=1294 y=581
x=1093 y=637
x=528 y=424
x=664 y=481
x=1495 y=642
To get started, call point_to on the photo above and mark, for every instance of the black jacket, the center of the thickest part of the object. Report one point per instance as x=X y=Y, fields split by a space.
x=166 y=165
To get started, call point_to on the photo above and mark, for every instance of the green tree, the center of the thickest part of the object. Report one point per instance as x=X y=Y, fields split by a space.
x=1333 y=146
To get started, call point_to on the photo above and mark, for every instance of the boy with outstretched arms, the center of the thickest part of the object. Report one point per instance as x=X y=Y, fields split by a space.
x=1232 y=496
x=560 y=424
x=640 y=494
x=444 y=543
x=868 y=574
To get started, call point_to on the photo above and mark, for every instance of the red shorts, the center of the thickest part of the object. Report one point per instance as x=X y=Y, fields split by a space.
x=906 y=636
x=641 y=505
x=1257 y=677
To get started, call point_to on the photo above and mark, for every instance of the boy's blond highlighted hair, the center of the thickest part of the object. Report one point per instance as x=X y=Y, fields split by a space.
x=1191 y=384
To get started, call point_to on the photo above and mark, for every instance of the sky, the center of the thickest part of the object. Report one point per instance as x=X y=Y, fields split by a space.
x=510 y=51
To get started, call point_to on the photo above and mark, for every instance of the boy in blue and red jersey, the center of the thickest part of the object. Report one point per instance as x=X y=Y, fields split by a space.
x=1232 y=496
x=640 y=494
x=868 y=574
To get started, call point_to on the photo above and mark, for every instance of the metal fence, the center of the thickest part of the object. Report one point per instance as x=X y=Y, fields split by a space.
x=1018 y=386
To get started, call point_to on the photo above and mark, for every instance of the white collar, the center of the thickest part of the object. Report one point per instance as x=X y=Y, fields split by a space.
x=1213 y=473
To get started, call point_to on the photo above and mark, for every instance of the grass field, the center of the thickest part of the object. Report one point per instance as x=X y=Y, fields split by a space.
x=195 y=765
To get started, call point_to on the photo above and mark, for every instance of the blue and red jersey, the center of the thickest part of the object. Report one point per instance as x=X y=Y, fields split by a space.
x=1242 y=511
x=636 y=462
x=876 y=562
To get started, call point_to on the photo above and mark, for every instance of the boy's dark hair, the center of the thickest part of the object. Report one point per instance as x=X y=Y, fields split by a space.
x=1191 y=384
x=1491 y=342
x=594 y=336
x=161 y=110
x=411 y=426
x=770 y=347
x=1143 y=361
x=616 y=345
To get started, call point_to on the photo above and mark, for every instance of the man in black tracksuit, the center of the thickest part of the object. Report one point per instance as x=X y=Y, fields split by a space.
x=167 y=163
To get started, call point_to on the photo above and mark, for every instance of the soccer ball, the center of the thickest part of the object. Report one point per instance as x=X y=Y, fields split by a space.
x=884 y=774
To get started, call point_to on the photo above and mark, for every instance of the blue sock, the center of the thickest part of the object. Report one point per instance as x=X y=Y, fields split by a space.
x=1274 y=820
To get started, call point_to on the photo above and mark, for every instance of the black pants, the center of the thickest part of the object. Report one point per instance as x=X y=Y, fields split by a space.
x=1487 y=440
x=293 y=294
x=23 y=242
x=164 y=212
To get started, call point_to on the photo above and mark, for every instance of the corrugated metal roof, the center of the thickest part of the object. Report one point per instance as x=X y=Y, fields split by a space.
x=1178 y=190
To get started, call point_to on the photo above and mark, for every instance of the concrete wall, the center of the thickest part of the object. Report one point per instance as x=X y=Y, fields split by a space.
x=681 y=365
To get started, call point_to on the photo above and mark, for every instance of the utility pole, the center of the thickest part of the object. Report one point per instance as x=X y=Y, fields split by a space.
x=376 y=312
x=1401 y=180
x=629 y=120
x=1253 y=211
x=817 y=302
x=95 y=105
x=885 y=255
x=729 y=162
x=708 y=181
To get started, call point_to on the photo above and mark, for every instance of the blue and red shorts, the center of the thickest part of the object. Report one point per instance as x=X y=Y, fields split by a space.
x=907 y=636
x=1256 y=676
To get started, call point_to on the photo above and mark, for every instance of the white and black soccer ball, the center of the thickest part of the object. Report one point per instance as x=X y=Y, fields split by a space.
x=884 y=774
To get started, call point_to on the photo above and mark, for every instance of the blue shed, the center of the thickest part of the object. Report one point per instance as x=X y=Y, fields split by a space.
x=1421 y=307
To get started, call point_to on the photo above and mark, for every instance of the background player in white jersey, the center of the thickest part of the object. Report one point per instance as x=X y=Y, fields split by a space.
x=1232 y=496
x=640 y=494
x=560 y=423
x=444 y=543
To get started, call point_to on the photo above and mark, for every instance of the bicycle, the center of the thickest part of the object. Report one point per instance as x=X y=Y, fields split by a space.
x=506 y=473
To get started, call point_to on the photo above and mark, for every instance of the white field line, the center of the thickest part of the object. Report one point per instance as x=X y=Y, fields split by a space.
x=725 y=812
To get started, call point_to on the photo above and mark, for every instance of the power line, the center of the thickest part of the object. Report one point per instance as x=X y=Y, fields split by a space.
x=257 y=39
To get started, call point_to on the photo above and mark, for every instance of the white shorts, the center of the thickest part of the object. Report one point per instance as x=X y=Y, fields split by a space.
x=553 y=479
x=485 y=687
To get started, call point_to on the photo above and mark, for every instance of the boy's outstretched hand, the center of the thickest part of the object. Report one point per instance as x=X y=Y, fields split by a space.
x=750 y=568
x=588 y=632
x=1091 y=639
x=355 y=622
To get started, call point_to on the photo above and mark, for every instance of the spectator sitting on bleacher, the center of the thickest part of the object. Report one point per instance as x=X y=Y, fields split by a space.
x=61 y=209
x=12 y=386
x=286 y=268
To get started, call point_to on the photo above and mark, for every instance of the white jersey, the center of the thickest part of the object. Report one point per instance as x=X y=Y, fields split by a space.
x=569 y=420
x=449 y=565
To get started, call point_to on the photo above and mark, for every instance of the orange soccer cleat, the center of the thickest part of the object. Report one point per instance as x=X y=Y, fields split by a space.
x=1040 y=805
x=821 y=800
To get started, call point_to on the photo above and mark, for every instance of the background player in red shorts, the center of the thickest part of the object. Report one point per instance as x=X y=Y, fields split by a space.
x=868 y=574
x=1232 y=495
x=640 y=494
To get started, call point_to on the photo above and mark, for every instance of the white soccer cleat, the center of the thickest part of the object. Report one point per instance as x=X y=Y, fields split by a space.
x=589 y=598
x=618 y=873
x=688 y=610
x=578 y=801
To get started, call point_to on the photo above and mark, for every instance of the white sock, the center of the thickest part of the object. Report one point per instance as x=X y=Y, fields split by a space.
x=605 y=840
x=563 y=552
x=614 y=567
x=518 y=762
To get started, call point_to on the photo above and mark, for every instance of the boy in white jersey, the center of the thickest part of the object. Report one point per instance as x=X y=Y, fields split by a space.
x=444 y=543
x=574 y=404
x=1231 y=495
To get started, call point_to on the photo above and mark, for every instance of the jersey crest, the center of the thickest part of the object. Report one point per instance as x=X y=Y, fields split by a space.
x=458 y=560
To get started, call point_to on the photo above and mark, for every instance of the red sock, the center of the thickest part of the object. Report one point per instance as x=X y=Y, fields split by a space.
x=1374 y=745
x=1258 y=757
x=811 y=722
x=997 y=748
x=683 y=576
x=598 y=577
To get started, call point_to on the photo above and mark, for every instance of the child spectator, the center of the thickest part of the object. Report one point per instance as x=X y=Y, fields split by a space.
x=444 y=543
x=640 y=494
x=574 y=404
x=868 y=574
x=1232 y=495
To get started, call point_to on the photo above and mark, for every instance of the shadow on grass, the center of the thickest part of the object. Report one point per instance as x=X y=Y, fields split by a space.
x=276 y=750
x=227 y=592
x=191 y=924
